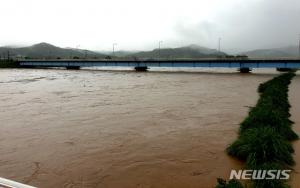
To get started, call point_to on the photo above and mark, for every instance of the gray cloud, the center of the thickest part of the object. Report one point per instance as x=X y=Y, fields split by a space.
x=140 y=24
x=248 y=25
x=202 y=33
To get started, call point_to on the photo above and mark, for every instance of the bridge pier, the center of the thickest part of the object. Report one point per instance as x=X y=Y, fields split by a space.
x=141 y=69
x=283 y=69
x=73 y=67
x=244 y=70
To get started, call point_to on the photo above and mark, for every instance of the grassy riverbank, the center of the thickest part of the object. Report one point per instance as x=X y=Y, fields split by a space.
x=265 y=135
x=9 y=64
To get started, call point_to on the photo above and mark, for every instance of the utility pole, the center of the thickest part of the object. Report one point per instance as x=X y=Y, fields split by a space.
x=159 y=44
x=8 y=55
x=114 y=44
x=77 y=47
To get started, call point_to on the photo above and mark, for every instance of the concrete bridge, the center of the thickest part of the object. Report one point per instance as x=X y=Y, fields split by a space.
x=243 y=65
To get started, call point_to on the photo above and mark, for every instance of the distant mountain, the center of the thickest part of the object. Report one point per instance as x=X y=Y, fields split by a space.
x=191 y=51
x=48 y=51
x=285 y=52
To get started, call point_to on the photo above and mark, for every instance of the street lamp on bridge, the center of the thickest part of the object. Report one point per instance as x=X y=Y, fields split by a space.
x=159 y=44
x=114 y=44
x=219 y=44
x=299 y=47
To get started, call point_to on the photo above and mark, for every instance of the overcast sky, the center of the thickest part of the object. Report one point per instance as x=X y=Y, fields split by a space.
x=140 y=24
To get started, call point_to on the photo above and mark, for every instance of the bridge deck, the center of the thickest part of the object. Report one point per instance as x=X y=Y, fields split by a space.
x=222 y=63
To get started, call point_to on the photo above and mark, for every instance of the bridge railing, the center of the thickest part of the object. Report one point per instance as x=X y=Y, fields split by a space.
x=207 y=63
x=5 y=183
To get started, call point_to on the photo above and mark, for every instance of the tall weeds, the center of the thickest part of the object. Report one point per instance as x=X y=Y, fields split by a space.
x=264 y=135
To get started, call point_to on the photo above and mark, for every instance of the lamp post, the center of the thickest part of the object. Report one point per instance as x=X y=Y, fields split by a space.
x=114 y=44
x=219 y=44
x=159 y=44
x=77 y=47
x=299 y=47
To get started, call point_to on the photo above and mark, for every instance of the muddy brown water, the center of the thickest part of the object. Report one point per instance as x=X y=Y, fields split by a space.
x=294 y=97
x=61 y=128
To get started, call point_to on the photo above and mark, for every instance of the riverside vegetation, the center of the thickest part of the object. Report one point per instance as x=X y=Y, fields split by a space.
x=265 y=135
x=8 y=64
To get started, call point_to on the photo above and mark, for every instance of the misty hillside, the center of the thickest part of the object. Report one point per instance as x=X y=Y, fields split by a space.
x=192 y=51
x=48 y=51
x=285 y=52
x=120 y=53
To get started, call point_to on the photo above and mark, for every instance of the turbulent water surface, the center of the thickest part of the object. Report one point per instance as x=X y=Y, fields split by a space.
x=88 y=128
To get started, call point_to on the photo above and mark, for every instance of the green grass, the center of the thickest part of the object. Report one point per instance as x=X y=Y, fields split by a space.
x=268 y=116
x=260 y=145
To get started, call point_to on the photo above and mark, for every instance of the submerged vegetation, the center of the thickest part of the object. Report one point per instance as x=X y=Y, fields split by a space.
x=264 y=135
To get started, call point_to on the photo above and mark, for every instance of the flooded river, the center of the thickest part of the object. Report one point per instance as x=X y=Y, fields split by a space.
x=108 y=129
